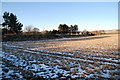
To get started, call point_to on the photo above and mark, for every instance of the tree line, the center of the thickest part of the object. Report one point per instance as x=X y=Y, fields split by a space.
x=63 y=28
x=12 y=25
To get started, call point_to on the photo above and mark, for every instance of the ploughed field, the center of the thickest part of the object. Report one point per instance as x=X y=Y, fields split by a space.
x=93 y=57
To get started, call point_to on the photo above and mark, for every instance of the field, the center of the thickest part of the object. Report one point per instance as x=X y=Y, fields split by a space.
x=93 y=57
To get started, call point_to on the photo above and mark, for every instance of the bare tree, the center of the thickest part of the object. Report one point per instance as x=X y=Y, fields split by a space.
x=29 y=29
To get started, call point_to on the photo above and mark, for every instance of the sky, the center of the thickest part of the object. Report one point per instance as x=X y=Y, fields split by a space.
x=60 y=0
x=48 y=15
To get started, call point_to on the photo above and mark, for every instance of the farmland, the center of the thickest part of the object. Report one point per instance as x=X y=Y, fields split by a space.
x=91 y=57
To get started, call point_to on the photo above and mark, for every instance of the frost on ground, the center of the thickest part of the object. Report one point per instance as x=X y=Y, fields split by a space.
x=95 y=57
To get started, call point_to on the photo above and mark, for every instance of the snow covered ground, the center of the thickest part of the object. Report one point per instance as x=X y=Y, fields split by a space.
x=95 y=57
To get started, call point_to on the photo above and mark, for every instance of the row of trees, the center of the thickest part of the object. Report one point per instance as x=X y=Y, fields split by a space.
x=12 y=25
x=66 y=29
x=63 y=29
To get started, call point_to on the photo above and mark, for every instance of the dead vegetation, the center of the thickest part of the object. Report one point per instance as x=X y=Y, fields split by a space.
x=69 y=58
